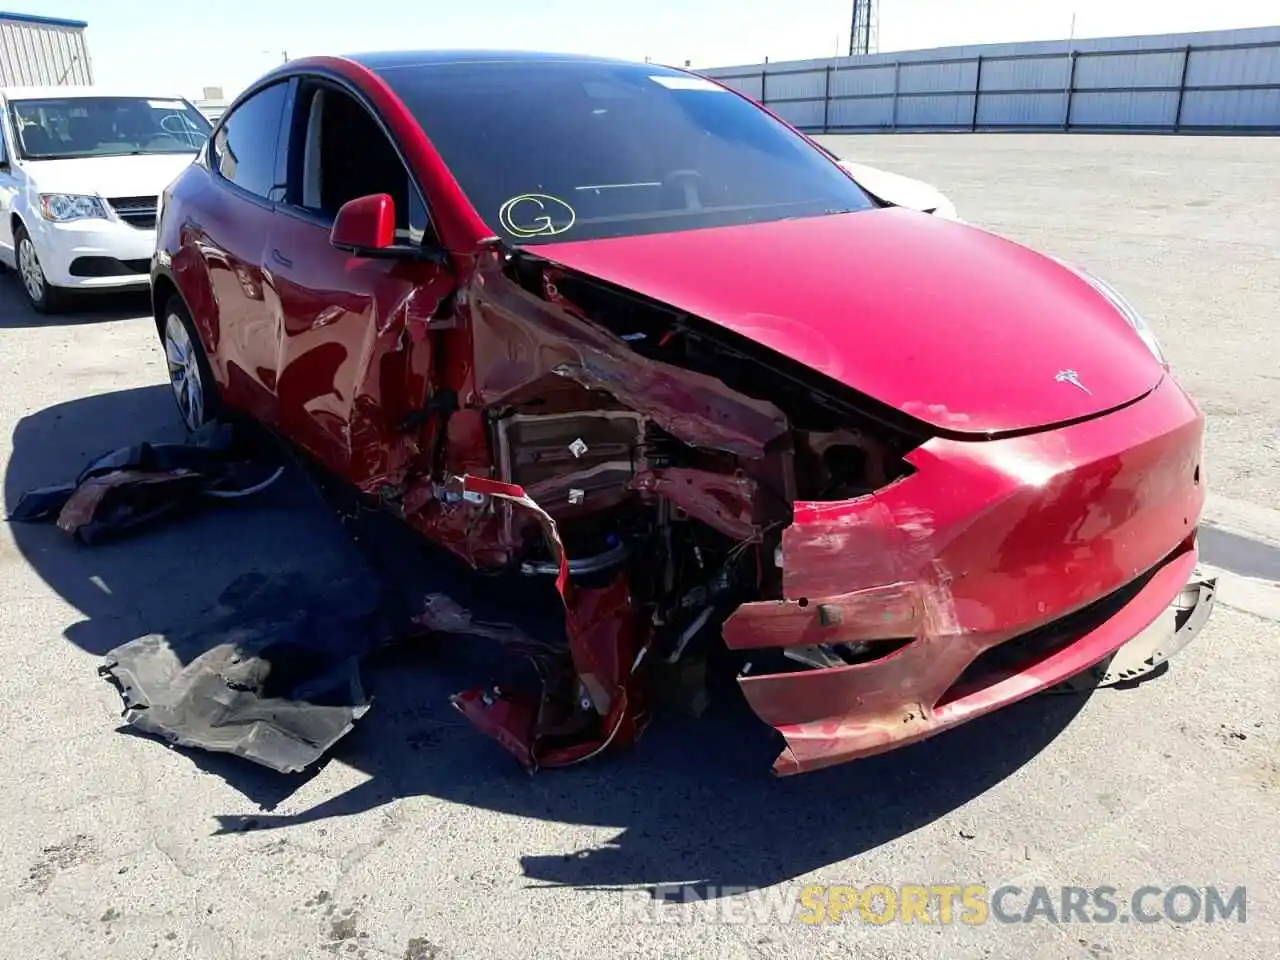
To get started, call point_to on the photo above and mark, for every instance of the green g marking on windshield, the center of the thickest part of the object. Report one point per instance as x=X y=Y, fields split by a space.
x=536 y=215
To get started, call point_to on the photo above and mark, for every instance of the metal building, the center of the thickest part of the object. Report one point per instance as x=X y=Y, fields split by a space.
x=43 y=52
x=213 y=104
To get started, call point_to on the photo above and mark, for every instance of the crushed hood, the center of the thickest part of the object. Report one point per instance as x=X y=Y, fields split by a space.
x=948 y=323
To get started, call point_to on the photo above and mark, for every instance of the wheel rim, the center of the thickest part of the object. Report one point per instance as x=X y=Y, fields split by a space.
x=29 y=267
x=184 y=371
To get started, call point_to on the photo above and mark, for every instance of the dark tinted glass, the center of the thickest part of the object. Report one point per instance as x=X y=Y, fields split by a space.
x=571 y=150
x=244 y=148
x=56 y=128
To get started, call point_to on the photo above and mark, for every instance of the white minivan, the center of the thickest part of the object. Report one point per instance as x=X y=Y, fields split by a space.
x=81 y=172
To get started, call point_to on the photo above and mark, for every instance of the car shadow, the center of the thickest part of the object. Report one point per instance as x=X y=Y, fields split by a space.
x=81 y=308
x=692 y=802
x=163 y=577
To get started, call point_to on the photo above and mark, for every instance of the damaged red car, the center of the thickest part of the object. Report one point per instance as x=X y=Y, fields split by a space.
x=619 y=327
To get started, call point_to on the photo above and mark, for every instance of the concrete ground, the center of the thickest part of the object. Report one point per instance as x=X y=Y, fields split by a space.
x=420 y=839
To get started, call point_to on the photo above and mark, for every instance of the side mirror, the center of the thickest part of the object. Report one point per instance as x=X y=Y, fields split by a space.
x=366 y=225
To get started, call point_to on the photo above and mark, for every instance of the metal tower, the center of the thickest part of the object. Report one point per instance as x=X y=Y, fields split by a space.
x=864 y=35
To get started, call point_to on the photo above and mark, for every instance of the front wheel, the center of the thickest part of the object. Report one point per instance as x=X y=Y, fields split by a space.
x=190 y=375
x=43 y=297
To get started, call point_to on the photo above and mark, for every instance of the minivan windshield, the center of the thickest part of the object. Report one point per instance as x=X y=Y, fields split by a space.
x=551 y=150
x=56 y=128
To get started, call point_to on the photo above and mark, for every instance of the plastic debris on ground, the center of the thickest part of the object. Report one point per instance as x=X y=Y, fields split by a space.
x=272 y=675
x=142 y=484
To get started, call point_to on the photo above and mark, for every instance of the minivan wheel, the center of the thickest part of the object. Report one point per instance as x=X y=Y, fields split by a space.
x=190 y=376
x=43 y=297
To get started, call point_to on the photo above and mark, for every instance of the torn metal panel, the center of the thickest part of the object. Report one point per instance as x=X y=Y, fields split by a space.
x=724 y=502
x=520 y=338
x=560 y=728
x=272 y=676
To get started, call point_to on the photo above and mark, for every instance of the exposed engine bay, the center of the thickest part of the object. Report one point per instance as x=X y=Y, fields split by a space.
x=647 y=463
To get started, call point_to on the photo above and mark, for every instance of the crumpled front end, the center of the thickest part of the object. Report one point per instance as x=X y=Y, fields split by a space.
x=996 y=570
x=680 y=490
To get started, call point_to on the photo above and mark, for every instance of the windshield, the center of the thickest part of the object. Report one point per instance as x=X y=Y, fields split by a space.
x=575 y=150
x=63 y=127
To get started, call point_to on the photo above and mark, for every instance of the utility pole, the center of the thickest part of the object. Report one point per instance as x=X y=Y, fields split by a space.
x=864 y=32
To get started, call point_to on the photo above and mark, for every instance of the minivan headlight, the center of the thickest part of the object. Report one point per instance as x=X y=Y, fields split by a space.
x=63 y=207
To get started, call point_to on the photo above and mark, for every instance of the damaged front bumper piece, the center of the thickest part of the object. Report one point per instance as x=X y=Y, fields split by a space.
x=930 y=686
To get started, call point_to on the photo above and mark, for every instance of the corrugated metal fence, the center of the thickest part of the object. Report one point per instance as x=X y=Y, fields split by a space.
x=1226 y=81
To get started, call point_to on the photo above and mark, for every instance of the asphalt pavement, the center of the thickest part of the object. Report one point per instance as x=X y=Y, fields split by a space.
x=420 y=840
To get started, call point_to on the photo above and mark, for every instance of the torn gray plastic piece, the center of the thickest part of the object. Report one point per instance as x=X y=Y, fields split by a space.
x=273 y=676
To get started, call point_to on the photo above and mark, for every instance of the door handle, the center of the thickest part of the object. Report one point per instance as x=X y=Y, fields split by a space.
x=280 y=258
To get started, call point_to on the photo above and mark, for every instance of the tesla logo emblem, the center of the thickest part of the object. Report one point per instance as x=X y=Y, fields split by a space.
x=1073 y=378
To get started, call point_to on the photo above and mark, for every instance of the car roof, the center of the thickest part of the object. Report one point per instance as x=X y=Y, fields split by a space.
x=398 y=59
x=63 y=92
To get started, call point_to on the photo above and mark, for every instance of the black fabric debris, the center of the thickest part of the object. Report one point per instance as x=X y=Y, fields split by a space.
x=138 y=485
x=273 y=675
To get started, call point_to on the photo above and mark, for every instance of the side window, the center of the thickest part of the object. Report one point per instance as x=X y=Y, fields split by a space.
x=4 y=141
x=341 y=153
x=244 y=148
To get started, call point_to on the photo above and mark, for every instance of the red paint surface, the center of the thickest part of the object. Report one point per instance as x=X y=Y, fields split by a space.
x=872 y=721
x=950 y=324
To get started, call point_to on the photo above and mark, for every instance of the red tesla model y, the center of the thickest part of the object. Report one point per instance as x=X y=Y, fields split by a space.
x=615 y=325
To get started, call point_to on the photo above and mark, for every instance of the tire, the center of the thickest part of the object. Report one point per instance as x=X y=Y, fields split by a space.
x=195 y=391
x=43 y=297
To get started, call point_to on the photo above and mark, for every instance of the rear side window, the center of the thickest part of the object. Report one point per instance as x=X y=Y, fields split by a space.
x=244 y=148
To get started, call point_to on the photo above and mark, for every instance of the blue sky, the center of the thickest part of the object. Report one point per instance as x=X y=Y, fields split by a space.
x=184 y=45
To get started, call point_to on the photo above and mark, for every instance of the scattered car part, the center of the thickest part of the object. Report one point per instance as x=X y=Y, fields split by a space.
x=272 y=676
x=138 y=485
